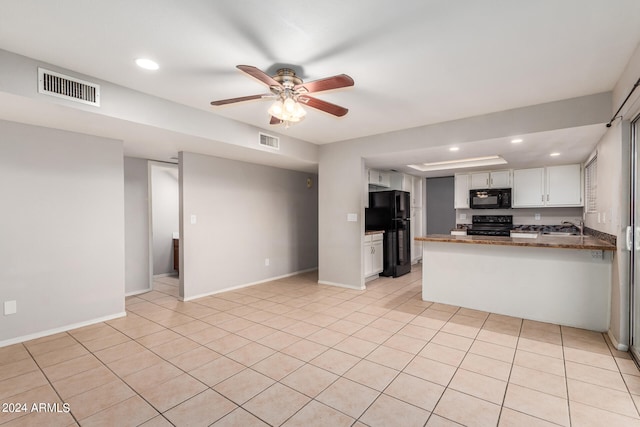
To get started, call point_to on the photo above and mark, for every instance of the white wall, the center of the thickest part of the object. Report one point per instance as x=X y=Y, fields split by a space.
x=136 y=227
x=614 y=195
x=164 y=215
x=244 y=214
x=62 y=228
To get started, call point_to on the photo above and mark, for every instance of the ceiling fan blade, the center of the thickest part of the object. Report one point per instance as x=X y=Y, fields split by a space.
x=275 y=121
x=325 y=106
x=240 y=99
x=259 y=74
x=335 y=82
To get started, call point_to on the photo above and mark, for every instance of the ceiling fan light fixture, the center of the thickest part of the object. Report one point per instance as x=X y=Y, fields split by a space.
x=288 y=111
x=276 y=109
x=289 y=89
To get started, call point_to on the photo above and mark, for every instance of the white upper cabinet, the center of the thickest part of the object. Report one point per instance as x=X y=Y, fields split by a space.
x=495 y=179
x=461 y=197
x=564 y=185
x=379 y=178
x=528 y=188
x=500 y=179
x=550 y=186
x=365 y=190
x=479 y=180
x=416 y=192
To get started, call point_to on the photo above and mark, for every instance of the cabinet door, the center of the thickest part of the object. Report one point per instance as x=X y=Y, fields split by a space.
x=377 y=260
x=564 y=185
x=384 y=179
x=368 y=259
x=528 y=188
x=416 y=225
x=365 y=189
x=479 y=180
x=461 y=185
x=500 y=179
x=416 y=193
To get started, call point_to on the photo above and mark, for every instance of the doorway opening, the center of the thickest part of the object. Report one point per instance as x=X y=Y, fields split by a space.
x=164 y=214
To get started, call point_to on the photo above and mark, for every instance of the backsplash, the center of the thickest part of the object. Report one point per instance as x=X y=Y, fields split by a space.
x=561 y=228
x=610 y=238
x=547 y=216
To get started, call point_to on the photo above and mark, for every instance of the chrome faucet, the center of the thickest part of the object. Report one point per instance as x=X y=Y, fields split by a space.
x=579 y=226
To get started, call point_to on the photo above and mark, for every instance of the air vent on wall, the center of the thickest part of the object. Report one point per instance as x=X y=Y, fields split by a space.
x=269 y=141
x=56 y=84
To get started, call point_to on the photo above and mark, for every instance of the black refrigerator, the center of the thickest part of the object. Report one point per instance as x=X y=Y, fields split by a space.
x=390 y=211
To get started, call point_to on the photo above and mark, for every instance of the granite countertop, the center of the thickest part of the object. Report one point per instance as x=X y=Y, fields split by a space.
x=561 y=242
x=370 y=232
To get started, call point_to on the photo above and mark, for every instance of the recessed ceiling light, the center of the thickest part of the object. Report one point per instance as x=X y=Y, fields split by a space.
x=516 y=140
x=462 y=163
x=454 y=149
x=554 y=154
x=147 y=64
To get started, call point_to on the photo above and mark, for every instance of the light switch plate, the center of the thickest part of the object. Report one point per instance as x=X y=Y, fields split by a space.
x=10 y=307
x=352 y=217
x=194 y=219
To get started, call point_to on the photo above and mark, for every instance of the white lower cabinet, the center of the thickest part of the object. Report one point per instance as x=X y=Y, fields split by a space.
x=416 y=231
x=373 y=254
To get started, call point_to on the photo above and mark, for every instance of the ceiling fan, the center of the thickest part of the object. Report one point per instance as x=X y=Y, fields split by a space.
x=289 y=91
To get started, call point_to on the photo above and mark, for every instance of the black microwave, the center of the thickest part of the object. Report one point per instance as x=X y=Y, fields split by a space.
x=490 y=198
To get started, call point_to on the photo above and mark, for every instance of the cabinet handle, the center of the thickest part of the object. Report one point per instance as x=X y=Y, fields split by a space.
x=373 y=250
x=542 y=198
x=547 y=197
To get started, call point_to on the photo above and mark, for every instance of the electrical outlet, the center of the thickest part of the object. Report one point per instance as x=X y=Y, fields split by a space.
x=266 y=262
x=597 y=254
x=352 y=217
x=604 y=217
x=536 y=217
x=463 y=216
x=194 y=219
x=599 y=218
x=10 y=307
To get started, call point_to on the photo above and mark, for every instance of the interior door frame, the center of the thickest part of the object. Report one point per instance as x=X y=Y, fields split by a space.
x=632 y=237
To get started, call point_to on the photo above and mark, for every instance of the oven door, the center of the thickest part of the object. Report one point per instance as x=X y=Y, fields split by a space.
x=484 y=199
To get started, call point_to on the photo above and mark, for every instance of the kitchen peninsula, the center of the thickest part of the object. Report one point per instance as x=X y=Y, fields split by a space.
x=556 y=279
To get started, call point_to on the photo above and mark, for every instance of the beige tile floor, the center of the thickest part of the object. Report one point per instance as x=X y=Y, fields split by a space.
x=293 y=353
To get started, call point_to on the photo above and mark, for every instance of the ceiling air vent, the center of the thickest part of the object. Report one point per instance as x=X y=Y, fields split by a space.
x=56 y=84
x=269 y=141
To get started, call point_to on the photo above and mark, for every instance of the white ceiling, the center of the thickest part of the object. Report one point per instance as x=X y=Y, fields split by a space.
x=413 y=62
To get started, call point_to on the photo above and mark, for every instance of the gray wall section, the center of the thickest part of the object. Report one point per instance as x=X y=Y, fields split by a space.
x=441 y=216
x=136 y=226
x=165 y=215
x=62 y=222
x=244 y=214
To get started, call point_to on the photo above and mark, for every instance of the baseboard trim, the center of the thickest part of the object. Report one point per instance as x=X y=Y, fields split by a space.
x=66 y=328
x=132 y=293
x=616 y=344
x=246 y=285
x=342 y=285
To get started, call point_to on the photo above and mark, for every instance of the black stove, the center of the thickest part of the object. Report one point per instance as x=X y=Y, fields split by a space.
x=490 y=225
